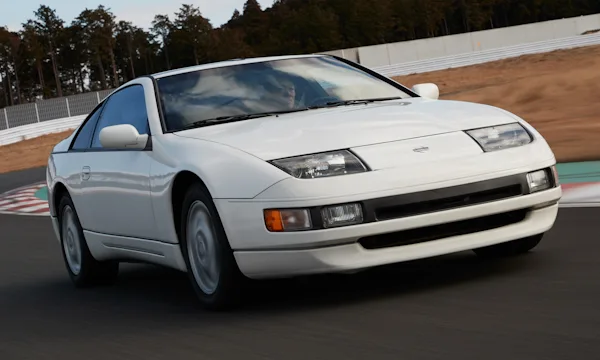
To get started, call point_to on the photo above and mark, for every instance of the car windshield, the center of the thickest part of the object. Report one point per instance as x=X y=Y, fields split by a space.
x=241 y=92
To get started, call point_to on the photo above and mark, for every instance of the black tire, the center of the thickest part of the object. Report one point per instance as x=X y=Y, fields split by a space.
x=512 y=248
x=91 y=272
x=228 y=288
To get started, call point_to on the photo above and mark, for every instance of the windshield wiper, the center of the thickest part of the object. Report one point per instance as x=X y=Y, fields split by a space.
x=353 y=102
x=233 y=118
x=241 y=117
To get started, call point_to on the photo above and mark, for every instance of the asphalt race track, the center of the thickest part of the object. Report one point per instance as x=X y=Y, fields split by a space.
x=544 y=305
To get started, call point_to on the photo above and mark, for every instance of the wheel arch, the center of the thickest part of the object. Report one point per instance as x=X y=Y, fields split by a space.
x=181 y=183
x=230 y=277
x=59 y=189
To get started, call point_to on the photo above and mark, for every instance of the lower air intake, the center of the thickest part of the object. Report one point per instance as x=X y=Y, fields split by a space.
x=436 y=232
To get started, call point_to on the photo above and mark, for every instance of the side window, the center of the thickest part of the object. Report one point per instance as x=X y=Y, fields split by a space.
x=84 y=137
x=128 y=106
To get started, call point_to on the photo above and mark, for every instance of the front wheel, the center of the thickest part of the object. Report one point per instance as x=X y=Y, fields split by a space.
x=211 y=266
x=83 y=269
x=511 y=248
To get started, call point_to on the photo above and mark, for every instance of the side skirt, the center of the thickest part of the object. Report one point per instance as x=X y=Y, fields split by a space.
x=114 y=247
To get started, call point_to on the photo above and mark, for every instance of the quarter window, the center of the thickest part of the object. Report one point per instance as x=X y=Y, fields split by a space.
x=84 y=137
x=128 y=106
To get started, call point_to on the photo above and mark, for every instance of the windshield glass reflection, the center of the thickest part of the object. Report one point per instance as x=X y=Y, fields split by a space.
x=273 y=86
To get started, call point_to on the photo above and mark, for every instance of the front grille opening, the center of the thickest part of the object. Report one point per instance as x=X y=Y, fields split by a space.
x=436 y=232
x=395 y=212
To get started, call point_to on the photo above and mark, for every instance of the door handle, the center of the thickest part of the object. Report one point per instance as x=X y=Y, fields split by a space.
x=85 y=173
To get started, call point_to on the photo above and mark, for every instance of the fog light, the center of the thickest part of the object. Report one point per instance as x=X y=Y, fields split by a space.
x=287 y=220
x=341 y=215
x=538 y=181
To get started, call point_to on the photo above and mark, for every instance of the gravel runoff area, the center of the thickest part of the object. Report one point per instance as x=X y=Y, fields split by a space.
x=557 y=92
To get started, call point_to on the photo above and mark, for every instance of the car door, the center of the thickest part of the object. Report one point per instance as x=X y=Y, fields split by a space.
x=71 y=169
x=116 y=182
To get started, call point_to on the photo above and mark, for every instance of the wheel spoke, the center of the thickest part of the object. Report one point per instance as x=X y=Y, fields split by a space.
x=202 y=248
x=71 y=241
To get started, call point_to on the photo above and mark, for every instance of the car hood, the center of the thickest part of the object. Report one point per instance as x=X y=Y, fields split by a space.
x=351 y=126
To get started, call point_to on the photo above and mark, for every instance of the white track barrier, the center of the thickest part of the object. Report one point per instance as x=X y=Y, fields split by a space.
x=20 y=133
x=25 y=132
x=480 y=57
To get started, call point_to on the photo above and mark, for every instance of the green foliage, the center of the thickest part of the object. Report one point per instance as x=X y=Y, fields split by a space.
x=49 y=58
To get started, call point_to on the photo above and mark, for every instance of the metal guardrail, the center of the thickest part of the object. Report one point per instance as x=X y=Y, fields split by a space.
x=50 y=109
x=480 y=57
x=45 y=124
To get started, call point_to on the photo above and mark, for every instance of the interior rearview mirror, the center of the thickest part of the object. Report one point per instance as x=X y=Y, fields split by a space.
x=123 y=136
x=428 y=90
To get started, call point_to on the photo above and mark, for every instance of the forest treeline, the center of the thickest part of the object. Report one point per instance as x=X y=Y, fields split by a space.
x=49 y=57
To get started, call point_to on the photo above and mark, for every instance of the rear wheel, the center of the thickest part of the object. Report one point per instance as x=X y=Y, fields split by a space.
x=83 y=269
x=211 y=266
x=512 y=248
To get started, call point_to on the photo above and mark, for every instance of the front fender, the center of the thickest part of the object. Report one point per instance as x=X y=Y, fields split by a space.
x=51 y=169
x=228 y=173
x=50 y=184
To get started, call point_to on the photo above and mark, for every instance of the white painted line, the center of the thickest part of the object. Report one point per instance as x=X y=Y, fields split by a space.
x=18 y=198
x=28 y=191
x=579 y=205
x=34 y=208
x=22 y=189
x=19 y=204
x=23 y=192
x=23 y=214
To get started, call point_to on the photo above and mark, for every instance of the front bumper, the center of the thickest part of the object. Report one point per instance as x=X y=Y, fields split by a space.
x=352 y=256
x=396 y=228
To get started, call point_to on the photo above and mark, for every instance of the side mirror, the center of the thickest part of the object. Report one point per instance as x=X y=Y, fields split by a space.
x=123 y=136
x=429 y=90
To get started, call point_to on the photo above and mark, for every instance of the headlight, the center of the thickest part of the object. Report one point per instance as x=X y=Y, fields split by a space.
x=501 y=137
x=328 y=164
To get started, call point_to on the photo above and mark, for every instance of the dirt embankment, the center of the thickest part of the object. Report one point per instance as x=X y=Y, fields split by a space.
x=558 y=93
x=30 y=153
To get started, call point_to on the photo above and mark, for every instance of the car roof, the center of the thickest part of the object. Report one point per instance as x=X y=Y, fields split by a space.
x=226 y=63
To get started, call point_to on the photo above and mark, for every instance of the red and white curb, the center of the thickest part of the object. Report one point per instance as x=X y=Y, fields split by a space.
x=22 y=201
x=585 y=194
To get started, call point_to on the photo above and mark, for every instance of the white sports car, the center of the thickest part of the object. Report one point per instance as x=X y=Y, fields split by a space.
x=288 y=166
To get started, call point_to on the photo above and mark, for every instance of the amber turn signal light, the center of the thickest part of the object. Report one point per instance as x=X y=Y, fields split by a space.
x=287 y=220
